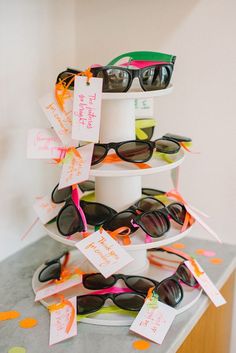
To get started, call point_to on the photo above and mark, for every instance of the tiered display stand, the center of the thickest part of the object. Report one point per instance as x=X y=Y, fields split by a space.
x=118 y=185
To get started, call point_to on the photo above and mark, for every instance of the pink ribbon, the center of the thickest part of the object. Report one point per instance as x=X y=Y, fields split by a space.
x=75 y=198
x=193 y=212
x=112 y=290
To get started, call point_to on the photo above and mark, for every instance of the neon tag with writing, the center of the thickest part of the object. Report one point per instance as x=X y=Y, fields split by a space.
x=45 y=209
x=104 y=253
x=60 y=121
x=43 y=144
x=87 y=109
x=205 y=282
x=153 y=322
x=59 y=322
x=76 y=166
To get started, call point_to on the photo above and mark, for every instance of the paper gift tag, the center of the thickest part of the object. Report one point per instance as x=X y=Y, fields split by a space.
x=154 y=322
x=60 y=121
x=76 y=166
x=59 y=321
x=87 y=109
x=54 y=288
x=43 y=144
x=46 y=209
x=144 y=107
x=205 y=282
x=104 y=253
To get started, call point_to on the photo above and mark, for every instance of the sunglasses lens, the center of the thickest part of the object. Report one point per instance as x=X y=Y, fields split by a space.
x=89 y=304
x=88 y=185
x=97 y=281
x=177 y=212
x=186 y=276
x=170 y=292
x=135 y=151
x=154 y=223
x=167 y=146
x=139 y=284
x=114 y=80
x=69 y=221
x=50 y=272
x=129 y=301
x=122 y=219
x=59 y=196
x=95 y=213
x=155 y=77
x=149 y=204
x=99 y=153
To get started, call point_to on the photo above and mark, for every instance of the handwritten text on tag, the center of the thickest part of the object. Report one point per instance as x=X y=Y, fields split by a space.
x=59 y=321
x=45 y=209
x=43 y=144
x=76 y=166
x=54 y=288
x=87 y=109
x=205 y=282
x=60 y=121
x=153 y=322
x=104 y=253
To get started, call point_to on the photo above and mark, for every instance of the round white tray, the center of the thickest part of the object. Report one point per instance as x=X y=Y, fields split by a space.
x=138 y=93
x=137 y=238
x=191 y=295
x=130 y=169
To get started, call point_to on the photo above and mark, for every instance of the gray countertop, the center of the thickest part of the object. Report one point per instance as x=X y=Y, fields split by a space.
x=16 y=294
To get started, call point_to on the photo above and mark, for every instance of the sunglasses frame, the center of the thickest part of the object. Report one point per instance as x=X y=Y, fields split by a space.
x=151 y=145
x=48 y=263
x=111 y=296
x=116 y=278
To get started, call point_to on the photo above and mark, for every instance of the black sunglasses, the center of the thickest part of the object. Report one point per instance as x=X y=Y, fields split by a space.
x=69 y=219
x=59 y=196
x=153 y=218
x=53 y=268
x=119 y=79
x=134 y=151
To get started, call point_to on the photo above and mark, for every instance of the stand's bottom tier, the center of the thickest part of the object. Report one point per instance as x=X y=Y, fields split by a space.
x=191 y=295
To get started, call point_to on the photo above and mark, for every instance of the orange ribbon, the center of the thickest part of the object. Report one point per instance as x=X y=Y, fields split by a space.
x=113 y=158
x=197 y=270
x=61 y=89
x=64 y=153
x=61 y=305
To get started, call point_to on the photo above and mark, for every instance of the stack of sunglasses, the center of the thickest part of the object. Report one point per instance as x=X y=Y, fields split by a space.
x=169 y=290
x=148 y=213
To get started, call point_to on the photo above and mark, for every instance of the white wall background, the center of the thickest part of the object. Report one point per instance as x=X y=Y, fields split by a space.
x=40 y=38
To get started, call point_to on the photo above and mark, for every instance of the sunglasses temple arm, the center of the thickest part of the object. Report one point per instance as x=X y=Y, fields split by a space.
x=66 y=259
x=75 y=198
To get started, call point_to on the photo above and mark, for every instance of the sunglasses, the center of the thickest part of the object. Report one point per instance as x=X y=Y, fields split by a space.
x=119 y=79
x=90 y=303
x=134 y=151
x=69 y=220
x=53 y=268
x=59 y=196
x=153 y=218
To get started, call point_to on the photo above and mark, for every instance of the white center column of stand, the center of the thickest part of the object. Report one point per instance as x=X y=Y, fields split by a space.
x=118 y=124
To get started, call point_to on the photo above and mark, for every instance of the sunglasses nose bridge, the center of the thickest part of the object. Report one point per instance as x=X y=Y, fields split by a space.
x=111 y=145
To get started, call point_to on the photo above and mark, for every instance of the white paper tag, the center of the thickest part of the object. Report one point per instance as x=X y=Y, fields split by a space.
x=144 y=108
x=43 y=144
x=87 y=109
x=154 y=322
x=45 y=209
x=76 y=168
x=59 y=321
x=104 y=253
x=54 y=288
x=60 y=121
x=206 y=284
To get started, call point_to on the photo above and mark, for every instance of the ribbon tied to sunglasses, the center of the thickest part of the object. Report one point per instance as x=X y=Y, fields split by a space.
x=193 y=212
